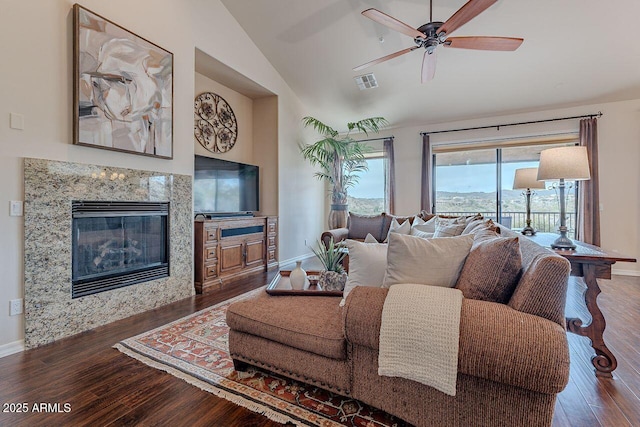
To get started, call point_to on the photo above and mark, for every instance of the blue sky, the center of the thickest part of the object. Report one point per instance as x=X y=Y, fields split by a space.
x=457 y=178
x=477 y=178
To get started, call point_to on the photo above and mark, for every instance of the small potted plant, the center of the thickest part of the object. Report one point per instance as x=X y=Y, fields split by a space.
x=333 y=277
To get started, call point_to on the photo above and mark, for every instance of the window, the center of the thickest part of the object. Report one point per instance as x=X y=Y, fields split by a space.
x=368 y=196
x=468 y=181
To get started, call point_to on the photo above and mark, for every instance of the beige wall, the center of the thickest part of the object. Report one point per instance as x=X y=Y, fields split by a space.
x=619 y=145
x=242 y=107
x=37 y=43
x=265 y=151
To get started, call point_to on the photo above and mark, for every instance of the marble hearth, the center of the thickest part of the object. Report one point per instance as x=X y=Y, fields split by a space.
x=50 y=188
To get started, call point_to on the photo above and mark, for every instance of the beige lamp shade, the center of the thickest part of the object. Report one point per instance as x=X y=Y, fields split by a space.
x=527 y=178
x=569 y=163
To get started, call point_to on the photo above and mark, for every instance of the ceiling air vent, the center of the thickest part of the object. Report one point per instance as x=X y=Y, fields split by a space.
x=366 y=81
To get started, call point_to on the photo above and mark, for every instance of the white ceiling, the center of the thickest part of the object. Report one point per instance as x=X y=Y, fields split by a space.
x=575 y=52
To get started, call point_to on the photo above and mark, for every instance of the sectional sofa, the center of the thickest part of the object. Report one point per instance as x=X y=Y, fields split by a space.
x=513 y=355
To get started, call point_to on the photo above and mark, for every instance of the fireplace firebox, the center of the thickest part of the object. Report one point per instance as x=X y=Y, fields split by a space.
x=118 y=244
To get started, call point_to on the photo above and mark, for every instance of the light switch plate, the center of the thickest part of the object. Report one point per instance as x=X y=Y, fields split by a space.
x=16 y=121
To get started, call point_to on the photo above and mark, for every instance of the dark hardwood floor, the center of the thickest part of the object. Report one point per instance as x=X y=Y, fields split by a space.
x=106 y=388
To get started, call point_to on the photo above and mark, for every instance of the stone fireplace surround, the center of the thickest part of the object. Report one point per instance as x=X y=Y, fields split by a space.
x=50 y=186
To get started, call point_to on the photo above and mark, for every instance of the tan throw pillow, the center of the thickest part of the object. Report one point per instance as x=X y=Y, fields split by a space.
x=434 y=262
x=404 y=228
x=424 y=226
x=421 y=234
x=492 y=270
x=449 y=228
x=370 y=239
x=367 y=265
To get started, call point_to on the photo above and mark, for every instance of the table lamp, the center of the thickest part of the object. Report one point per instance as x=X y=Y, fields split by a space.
x=527 y=179
x=560 y=164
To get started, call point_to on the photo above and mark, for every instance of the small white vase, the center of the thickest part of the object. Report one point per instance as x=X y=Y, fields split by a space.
x=298 y=277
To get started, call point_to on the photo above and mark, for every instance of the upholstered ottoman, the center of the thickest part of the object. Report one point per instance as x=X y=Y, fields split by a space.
x=301 y=337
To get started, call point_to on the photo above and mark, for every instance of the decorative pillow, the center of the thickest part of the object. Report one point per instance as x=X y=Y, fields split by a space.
x=404 y=228
x=434 y=262
x=421 y=234
x=449 y=228
x=473 y=224
x=417 y=221
x=486 y=224
x=426 y=226
x=367 y=265
x=485 y=231
x=360 y=225
x=492 y=270
x=370 y=239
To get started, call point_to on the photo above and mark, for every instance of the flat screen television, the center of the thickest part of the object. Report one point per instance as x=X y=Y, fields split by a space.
x=222 y=187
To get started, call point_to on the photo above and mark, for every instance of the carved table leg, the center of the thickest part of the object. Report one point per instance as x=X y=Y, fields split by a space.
x=604 y=360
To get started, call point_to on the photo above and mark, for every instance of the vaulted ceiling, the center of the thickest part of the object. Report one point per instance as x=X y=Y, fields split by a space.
x=575 y=52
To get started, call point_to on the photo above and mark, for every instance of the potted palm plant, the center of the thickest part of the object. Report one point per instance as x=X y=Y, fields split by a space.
x=333 y=277
x=340 y=159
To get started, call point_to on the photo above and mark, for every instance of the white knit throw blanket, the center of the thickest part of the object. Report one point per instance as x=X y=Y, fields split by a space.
x=419 y=335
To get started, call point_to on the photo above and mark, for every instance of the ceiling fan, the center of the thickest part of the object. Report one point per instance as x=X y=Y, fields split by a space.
x=433 y=34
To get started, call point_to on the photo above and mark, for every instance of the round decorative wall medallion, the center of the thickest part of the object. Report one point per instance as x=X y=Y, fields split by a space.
x=215 y=127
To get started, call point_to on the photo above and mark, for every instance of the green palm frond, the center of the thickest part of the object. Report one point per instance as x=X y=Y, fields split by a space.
x=319 y=127
x=372 y=124
x=340 y=159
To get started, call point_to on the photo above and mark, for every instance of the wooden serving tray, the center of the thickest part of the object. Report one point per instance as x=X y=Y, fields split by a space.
x=280 y=286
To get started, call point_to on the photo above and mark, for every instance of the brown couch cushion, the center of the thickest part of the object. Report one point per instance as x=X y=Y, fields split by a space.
x=361 y=225
x=492 y=270
x=542 y=289
x=495 y=341
x=308 y=323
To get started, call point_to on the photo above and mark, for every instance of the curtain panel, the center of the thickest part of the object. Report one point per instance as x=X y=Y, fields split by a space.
x=588 y=223
x=390 y=176
x=426 y=190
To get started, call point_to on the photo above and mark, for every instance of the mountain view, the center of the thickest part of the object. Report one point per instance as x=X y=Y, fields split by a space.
x=544 y=207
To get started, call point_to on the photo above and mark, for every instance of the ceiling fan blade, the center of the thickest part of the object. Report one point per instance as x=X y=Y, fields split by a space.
x=385 y=58
x=465 y=14
x=391 y=22
x=428 y=66
x=484 y=43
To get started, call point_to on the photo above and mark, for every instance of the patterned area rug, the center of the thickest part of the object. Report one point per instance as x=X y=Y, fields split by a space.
x=195 y=349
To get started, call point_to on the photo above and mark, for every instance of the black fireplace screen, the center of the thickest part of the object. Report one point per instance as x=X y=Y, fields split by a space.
x=117 y=244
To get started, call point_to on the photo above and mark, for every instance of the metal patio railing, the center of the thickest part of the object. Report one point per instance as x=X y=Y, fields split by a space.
x=541 y=221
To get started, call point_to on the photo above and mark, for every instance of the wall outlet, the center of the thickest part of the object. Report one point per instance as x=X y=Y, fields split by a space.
x=16 y=208
x=305 y=242
x=15 y=307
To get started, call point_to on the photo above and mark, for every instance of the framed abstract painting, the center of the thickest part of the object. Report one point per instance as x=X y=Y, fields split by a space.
x=123 y=88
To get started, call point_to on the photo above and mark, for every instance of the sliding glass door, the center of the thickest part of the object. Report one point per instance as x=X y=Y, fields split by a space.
x=470 y=181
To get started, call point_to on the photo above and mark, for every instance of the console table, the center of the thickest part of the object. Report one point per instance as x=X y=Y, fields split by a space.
x=591 y=263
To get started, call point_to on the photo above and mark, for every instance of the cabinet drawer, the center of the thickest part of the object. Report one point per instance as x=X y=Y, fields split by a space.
x=210 y=253
x=272 y=227
x=210 y=271
x=271 y=256
x=271 y=241
x=211 y=234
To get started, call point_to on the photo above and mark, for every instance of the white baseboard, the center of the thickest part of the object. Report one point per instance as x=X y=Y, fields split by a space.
x=11 y=348
x=298 y=258
x=634 y=273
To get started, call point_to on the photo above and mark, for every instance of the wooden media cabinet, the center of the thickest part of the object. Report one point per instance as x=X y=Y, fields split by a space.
x=227 y=248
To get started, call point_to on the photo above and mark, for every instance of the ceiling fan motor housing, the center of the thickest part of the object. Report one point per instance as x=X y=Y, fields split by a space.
x=430 y=32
